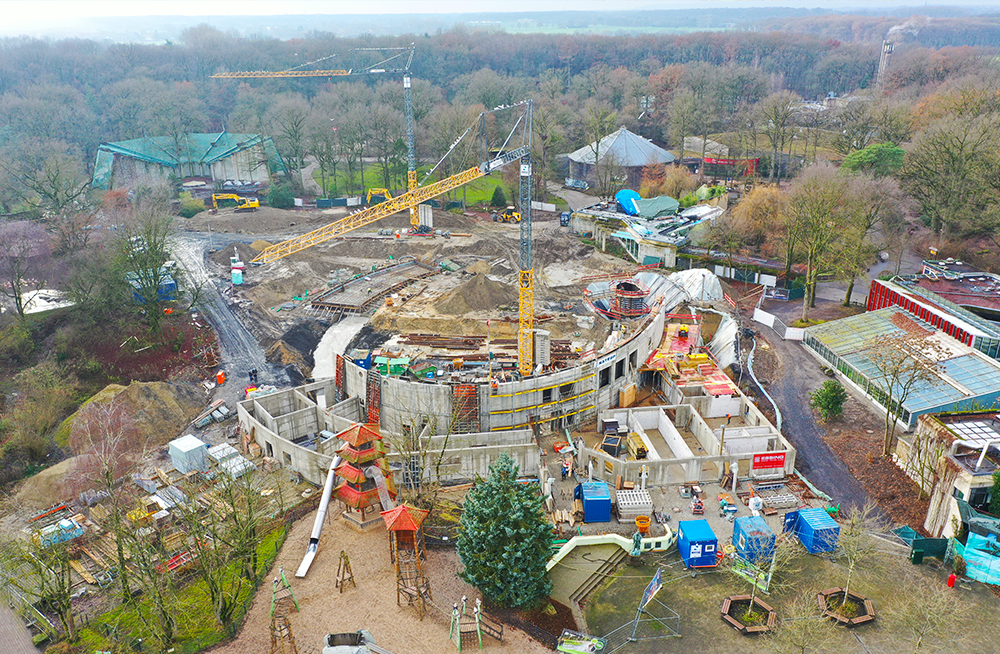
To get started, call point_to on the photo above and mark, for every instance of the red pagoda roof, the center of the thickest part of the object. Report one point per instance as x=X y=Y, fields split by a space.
x=358 y=433
x=355 y=498
x=349 y=472
x=404 y=518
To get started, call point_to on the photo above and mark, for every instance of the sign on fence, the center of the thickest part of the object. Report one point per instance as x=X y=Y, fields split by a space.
x=769 y=460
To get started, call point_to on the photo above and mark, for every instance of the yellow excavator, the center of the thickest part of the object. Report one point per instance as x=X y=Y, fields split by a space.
x=242 y=203
x=378 y=192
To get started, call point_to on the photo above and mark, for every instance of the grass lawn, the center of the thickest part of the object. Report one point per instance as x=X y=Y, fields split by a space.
x=698 y=598
x=197 y=628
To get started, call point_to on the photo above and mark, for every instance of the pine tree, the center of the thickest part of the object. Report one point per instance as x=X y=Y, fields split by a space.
x=504 y=538
x=498 y=199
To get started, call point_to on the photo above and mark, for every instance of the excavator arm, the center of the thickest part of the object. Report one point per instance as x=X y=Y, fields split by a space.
x=385 y=209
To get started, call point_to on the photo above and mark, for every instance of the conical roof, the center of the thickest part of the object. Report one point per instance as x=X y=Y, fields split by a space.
x=358 y=433
x=404 y=518
x=623 y=148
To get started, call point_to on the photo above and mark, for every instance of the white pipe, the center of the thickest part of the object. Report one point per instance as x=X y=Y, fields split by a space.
x=974 y=446
x=324 y=504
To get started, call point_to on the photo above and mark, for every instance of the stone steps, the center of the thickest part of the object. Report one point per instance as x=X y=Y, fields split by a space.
x=598 y=575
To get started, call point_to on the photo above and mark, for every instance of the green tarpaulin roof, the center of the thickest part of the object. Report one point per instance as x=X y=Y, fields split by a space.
x=190 y=148
x=657 y=207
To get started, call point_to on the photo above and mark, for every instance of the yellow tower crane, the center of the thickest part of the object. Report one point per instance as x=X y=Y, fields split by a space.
x=415 y=194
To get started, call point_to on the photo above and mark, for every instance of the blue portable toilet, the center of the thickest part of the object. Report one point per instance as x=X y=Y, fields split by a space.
x=596 y=501
x=697 y=544
x=753 y=539
x=817 y=531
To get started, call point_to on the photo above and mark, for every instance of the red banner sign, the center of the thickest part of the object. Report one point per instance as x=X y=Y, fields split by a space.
x=750 y=164
x=771 y=460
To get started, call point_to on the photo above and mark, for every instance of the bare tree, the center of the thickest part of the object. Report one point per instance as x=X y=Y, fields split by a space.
x=799 y=630
x=900 y=364
x=109 y=448
x=775 y=115
x=23 y=257
x=857 y=544
x=599 y=122
x=872 y=202
x=225 y=543
x=925 y=618
x=819 y=213
x=39 y=569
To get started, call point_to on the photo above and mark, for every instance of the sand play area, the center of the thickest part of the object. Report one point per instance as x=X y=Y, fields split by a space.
x=370 y=605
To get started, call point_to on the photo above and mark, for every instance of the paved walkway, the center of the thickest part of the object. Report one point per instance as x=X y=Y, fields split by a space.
x=14 y=635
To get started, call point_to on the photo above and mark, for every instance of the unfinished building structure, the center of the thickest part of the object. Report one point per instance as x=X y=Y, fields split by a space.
x=452 y=427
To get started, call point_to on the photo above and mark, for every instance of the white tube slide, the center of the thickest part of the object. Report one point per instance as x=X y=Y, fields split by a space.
x=324 y=504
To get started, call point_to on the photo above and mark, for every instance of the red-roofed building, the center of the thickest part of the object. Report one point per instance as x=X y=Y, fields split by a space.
x=358 y=489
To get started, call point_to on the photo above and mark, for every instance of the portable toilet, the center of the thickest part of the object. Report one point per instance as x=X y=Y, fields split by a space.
x=697 y=544
x=237 y=276
x=596 y=501
x=753 y=539
x=817 y=531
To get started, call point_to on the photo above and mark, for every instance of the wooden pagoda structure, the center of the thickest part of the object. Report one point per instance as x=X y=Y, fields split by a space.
x=362 y=471
x=406 y=549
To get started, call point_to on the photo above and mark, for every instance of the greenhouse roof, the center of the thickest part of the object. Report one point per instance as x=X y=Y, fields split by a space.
x=962 y=373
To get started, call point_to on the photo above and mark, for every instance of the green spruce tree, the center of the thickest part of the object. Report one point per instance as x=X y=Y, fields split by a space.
x=504 y=538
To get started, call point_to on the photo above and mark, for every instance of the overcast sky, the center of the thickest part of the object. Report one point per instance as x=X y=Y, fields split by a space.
x=29 y=14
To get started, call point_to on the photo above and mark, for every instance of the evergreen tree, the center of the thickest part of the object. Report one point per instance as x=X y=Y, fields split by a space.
x=504 y=538
x=498 y=199
x=828 y=399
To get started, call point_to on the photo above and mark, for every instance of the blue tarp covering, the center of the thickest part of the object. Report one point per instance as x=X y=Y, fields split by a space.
x=627 y=199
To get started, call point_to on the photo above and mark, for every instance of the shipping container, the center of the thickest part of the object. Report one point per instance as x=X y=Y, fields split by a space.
x=596 y=499
x=753 y=539
x=697 y=544
x=817 y=531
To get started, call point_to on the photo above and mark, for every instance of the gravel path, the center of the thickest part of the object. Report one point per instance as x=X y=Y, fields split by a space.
x=240 y=351
x=798 y=374
x=371 y=605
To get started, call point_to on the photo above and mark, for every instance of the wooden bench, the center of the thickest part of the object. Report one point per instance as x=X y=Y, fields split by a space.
x=739 y=626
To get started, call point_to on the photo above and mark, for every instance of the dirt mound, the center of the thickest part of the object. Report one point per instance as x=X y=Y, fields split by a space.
x=280 y=353
x=47 y=487
x=478 y=267
x=259 y=245
x=161 y=409
x=222 y=256
x=477 y=294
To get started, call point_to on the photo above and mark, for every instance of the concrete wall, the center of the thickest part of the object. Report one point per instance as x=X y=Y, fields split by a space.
x=458 y=457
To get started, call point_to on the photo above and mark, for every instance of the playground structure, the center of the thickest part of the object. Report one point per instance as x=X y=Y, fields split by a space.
x=360 y=463
x=282 y=602
x=467 y=628
x=363 y=473
x=406 y=550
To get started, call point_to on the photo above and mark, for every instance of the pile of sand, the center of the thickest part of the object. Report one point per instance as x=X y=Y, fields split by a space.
x=477 y=294
x=260 y=245
x=161 y=410
x=478 y=267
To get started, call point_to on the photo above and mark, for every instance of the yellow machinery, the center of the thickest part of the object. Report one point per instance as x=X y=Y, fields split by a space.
x=383 y=209
x=509 y=215
x=242 y=203
x=375 y=192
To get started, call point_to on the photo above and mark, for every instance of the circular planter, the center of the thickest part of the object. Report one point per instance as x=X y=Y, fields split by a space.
x=830 y=599
x=735 y=606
